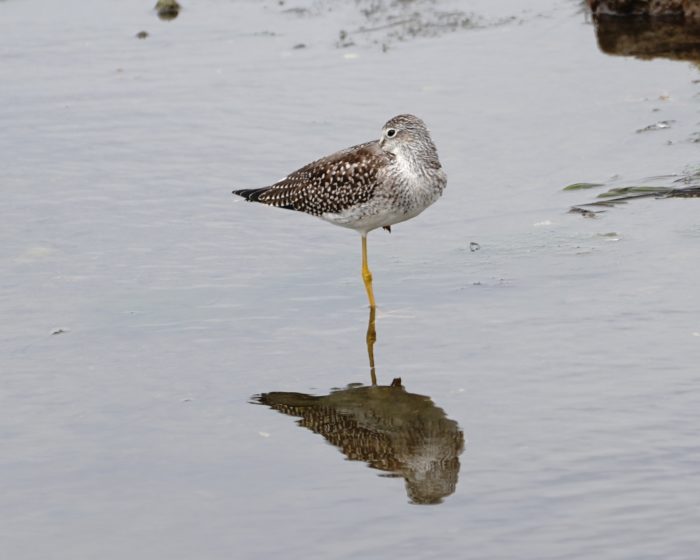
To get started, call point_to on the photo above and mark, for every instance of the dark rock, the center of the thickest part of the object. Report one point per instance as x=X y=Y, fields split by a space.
x=654 y=8
x=167 y=9
x=645 y=37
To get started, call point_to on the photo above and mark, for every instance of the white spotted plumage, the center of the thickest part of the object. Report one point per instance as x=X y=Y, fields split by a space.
x=371 y=185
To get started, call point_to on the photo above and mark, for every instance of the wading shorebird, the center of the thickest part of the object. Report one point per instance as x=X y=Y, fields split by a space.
x=371 y=185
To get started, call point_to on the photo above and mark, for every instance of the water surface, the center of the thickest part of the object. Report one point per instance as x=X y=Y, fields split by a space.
x=565 y=349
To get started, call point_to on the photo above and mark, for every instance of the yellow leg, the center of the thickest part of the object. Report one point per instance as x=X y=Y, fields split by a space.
x=366 y=274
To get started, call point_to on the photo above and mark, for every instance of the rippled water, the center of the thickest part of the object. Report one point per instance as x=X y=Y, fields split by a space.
x=154 y=328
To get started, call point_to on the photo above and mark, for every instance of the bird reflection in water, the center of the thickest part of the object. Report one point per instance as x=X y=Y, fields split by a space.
x=385 y=426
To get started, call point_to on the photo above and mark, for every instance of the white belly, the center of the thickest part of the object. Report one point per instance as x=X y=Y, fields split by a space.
x=363 y=221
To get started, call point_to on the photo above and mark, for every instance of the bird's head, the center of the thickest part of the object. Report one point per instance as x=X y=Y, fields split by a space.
x=407 y=136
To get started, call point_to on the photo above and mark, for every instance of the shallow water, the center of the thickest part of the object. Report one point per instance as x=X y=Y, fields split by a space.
x=565 y=349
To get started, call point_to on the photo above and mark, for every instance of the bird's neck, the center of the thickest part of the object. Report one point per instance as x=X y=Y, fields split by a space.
x=417 y=162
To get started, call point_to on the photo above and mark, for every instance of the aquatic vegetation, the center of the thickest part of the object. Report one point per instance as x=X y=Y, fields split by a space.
x=582 y=186
x=686 y=185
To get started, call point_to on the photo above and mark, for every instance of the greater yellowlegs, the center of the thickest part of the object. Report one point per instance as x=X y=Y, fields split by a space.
x=371 y=185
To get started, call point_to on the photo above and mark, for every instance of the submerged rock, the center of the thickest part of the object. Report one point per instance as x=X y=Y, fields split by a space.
x=386 y=22
x=167 y=9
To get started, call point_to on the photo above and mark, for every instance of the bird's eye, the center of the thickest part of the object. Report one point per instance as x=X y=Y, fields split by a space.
x=390 y=133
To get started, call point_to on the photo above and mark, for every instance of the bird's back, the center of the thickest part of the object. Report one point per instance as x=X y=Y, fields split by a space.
x=329 y=185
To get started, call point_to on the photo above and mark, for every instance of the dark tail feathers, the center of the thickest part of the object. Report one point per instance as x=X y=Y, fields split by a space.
x=253 y=195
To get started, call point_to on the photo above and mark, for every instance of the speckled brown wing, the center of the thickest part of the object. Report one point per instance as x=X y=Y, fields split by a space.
x=328 y=185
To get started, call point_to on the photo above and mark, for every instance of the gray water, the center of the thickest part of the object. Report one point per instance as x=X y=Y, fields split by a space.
x=144 y=310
